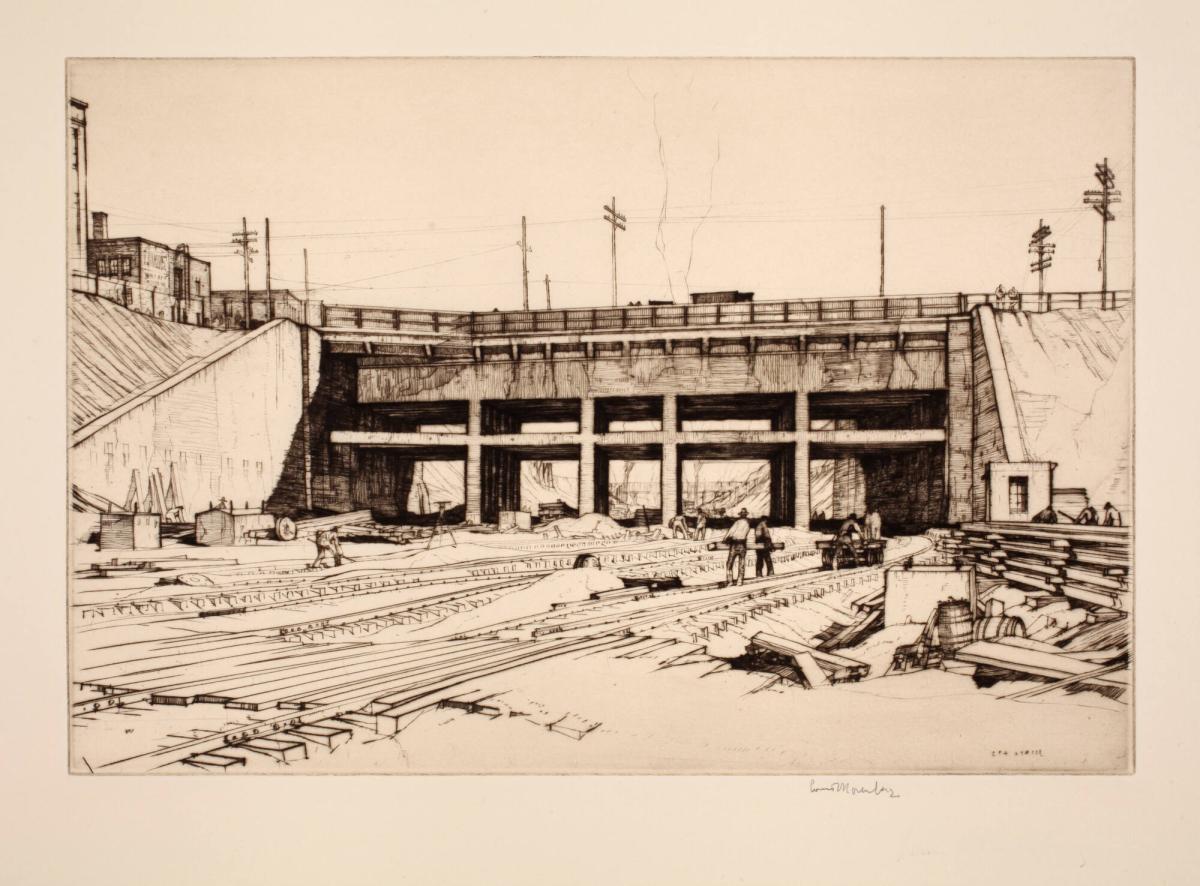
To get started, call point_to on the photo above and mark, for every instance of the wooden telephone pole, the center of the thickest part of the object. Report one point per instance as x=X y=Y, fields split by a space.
x=882 y=211
x=1044 y=253
x=270 y=301
x=1100 y=200
x=617 y=220
x=547 y=292
x=243 y=239
x=524 y=267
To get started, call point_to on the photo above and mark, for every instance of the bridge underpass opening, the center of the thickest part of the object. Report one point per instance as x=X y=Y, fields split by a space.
x=404 y=484
x=520 y=478
x=905 y=480
x=628 y=483
x=726 y=477
x=906 y=483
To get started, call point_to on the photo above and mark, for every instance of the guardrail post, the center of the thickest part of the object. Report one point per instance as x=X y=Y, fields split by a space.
x=820 y=309
x=436 y=325
x=395 y=319
x=324 y=314
x=358 y=317
x=653 y=315
x=1079 y=295
x=786 y=305
x=962 y=303
x=920 y=307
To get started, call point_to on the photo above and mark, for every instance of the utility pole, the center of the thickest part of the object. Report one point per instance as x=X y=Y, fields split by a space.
x=617 y=220
x=1045 y=257
x=882 y=211
x=244 y=239
x=524 y=244
x=270 y=300
x=1100 y=200
x=547 y=292
x=306 y=279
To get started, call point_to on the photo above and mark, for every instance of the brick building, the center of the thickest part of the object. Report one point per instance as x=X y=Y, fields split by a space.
x=148 y=277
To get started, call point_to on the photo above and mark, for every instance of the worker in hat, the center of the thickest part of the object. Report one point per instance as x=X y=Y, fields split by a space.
x=736 y=539
x=1111 y=516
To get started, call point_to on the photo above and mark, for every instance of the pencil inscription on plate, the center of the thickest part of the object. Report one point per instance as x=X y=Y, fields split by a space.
x=600 y=416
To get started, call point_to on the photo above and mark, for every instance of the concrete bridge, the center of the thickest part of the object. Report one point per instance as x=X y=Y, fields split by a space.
x=886 y=385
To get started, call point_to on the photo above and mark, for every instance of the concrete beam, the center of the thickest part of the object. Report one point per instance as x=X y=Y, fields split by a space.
x=877 y=439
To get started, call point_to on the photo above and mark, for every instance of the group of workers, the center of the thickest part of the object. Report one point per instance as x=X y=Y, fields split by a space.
x=680 y=528
x=1087 y=517
x=737 y=539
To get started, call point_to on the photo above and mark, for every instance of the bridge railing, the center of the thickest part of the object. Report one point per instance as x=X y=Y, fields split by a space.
x=682 y=316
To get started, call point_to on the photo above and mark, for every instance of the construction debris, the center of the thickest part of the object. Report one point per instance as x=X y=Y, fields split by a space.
x=808 y=666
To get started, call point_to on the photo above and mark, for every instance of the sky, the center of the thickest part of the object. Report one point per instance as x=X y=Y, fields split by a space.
x=406 y=180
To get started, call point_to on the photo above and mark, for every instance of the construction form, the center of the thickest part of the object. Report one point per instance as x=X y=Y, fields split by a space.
x=439 y=474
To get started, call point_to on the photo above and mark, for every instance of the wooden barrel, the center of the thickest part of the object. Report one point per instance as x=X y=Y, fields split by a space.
x=953 y=625
x=995 y=626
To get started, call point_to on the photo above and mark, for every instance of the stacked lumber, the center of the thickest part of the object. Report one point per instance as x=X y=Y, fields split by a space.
x=1087 y=564
x=309 y=528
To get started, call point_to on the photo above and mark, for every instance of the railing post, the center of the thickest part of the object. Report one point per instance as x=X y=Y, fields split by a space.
x=751 y=312
x=962 y=303
x=324 y=314
x=887 y=308
x=685 y=315
x=786 y=306
x=654 y=315
x=1079 y=295
x=820 y=309
x=920 y=307
x=395 y=319
x=436 y=325
x=718 y=320
x=358 y=317
x=852 y=302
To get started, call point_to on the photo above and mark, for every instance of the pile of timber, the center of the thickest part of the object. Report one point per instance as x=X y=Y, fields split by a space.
x=555 y=510
x=868 y=619
x=1087 y=564
x=309 y=528
x=806 y=665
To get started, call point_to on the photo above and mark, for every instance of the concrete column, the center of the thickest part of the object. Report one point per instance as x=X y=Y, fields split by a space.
x=960 y=385
x=803 y=501
x=587 y=455
x=474 y=492
x=669 y=472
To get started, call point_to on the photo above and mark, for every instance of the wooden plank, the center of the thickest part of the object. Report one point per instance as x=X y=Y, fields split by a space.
x=1025 y=660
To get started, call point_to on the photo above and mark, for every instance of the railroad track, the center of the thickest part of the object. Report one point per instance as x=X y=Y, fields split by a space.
x=385 y=683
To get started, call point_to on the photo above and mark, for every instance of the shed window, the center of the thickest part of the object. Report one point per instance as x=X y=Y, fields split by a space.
x=1018 y=495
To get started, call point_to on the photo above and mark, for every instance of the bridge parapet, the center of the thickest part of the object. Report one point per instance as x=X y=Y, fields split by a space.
x=474 y=326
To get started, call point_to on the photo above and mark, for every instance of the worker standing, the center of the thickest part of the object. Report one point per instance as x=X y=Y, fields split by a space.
x=763 y=546
x=701 y=523
x=1112 y=517
x=736 y=539
x=873 y=525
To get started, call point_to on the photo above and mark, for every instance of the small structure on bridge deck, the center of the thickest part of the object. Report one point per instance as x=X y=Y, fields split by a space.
x=721 y=298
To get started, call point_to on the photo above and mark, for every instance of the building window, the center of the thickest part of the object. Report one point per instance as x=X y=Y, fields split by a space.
x=258 y=467
x=102 y=267
x=1018 y=495
x=126 y=266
